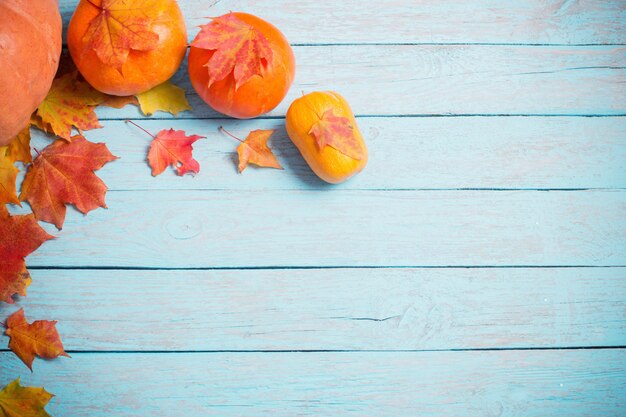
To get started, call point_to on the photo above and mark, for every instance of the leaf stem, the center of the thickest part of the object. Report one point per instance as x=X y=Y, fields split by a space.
x=229 y=134
x=36 y=150
x=135 y=124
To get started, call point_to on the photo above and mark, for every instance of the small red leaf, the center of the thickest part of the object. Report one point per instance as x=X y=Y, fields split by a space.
x=173 y=147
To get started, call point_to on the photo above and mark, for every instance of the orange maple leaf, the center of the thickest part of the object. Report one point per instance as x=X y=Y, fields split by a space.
x=19 y=236
x=19 y=148
x=173 y=147
x=254 y=150
x=37 y=338
x=70 y=102
x=16 y=400
x=121 y=25
x=64 y=174
x=8 y=177
x=239 y=48
x=338 y=133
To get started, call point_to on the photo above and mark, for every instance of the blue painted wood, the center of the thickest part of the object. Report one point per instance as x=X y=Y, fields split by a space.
x=357 y=309
x=505 y=383
x=404 y=153
x=440 y=21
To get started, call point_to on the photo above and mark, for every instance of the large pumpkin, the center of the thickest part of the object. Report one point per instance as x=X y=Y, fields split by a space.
x=30 y=47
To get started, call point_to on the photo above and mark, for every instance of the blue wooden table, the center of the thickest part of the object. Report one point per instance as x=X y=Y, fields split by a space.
x=476 y=267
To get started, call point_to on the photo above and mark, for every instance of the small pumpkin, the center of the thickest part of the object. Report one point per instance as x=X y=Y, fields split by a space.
x=323 y=128
x=267 y=54
x=30 y=47
x=152 y=34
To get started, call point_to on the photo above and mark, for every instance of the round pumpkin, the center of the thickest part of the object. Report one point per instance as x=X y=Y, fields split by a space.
x=30 y=47
x=260 y=93
x=142 y=69
x=302 y=123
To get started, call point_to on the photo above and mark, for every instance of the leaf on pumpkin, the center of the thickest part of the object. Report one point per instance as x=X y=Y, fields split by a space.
x=70 y=102
x=120 y=26
x=19 y=401
x=254 y=150
x=19 y=236
x=239 y=48
x=64 y=174
x=165 y=97
x=338 y=133
x=39 y=338
x=8 y=177
x=19 y=148
x=173 y=147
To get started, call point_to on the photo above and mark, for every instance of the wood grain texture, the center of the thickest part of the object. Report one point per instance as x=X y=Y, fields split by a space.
x=413 y=21
x=505 y=383
x=344 y=228
x=450 y=79
x=336 y=309
x=405 y=153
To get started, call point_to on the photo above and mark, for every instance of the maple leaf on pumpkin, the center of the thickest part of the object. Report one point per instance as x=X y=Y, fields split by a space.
x=19 y=148
x=16 y=400
x=164 y=97
x=63 y=173
x=338 y=133
x=239 y=48
x=38 y=338
x=121 y=25
x=19 y=236
x=70 y=102
x=254 y=150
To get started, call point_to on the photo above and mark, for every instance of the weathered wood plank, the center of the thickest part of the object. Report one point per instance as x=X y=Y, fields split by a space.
x=409 y=21
x=337 y=309
x=505 y=383
x=344 y=228
x=405 y=153
x=451 y=79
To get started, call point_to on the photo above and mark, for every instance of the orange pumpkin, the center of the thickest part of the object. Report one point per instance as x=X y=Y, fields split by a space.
x=142 y=70
x=30 y=45
x=257 y=95
x=328 y=163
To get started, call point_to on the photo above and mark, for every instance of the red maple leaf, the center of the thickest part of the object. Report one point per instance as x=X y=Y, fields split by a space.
x=338 y=133
x=19 y=236
x=64 y=174
x=239 y=48
x=120 y=26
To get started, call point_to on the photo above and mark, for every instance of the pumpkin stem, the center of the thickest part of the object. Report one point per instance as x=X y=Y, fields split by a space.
x=229 y=134
x=133 y=123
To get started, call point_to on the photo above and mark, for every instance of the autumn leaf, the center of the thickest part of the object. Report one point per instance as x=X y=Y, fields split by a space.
x=336 y=132
x=164 y=97
x=254 y=150
x=64 y=174
x=239 y=48
x=19 y=148
x=39 y=338
x=19 y=401
x=8 y=176
x=19 y=236
x=118 y=102
x=70 y=102
x=120 y=26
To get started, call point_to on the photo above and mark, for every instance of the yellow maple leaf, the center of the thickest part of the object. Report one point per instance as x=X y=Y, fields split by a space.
x=165 y=97
x=8 y=176
x=16 y=400
x=19 y=148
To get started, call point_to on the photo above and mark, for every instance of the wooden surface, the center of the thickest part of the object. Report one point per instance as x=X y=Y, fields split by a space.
x=476 y=267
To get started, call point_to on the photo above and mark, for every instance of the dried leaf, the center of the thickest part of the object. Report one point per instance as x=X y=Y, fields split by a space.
x=19 y=401
x=38 y=338
x=254 y=150
x=19 y=236
x=117 y=102
x=173 y=147
x=19 y=148
x=120 y=26
x=164 y=97
x=239 y=48
x=64 y=174
x=338 y=133
x=8 y=177
x=70 y=102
